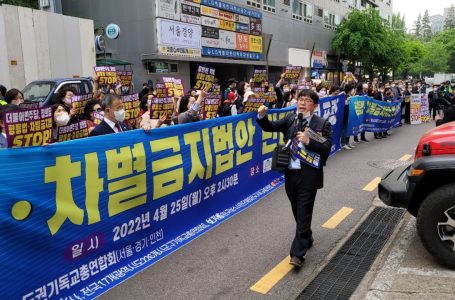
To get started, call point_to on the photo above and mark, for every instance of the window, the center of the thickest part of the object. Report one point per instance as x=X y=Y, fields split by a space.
x=269 y=5
x=302 y=11
x=331 y=21
x=254 y=3
x=320 y=12
x=162 y=67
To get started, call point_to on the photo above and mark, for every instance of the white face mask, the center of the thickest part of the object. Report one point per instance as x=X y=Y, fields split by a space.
x=62 y=120
x=119 y=115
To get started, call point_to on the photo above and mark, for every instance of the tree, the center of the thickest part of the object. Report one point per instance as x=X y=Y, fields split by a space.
x=360 y=37
x=449 y=22
x=426 y=28
x=26 y=3
x=446 y=38
x=418 y=27
x=435 y=59
x=398 y=24
x=413 y=53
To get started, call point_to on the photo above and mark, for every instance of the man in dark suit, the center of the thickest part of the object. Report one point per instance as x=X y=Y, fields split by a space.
x=114 y=115
x=302 y=178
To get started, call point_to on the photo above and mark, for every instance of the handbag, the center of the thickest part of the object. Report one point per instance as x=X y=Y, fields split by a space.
x=280 y=158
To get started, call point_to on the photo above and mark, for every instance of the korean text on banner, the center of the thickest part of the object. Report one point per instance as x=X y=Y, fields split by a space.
x=425 y=109
x=161 y=103
x=292 y=72
x=259 y=75
x=106 y=75
x=210 y=106
x=72 y=131
x=131 y=103
x=125 y=77
x=78 y=103
x=204 y=78
x=416 y=102
x=25 y=128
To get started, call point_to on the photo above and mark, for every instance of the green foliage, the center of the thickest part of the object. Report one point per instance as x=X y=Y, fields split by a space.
x=26 y=3
x=418 y=27
x=435 y=59
x=447 y=39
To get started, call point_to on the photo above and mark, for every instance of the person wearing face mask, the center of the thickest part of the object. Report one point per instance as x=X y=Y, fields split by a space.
x=60 y=117
x=14 y=97
x=90 y=108
x=3 y=138
x=114 y=115
x=189 y=108
x=64 y=98
x=302 y=179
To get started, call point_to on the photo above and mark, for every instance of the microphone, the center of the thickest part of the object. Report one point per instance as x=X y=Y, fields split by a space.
x=300 y=119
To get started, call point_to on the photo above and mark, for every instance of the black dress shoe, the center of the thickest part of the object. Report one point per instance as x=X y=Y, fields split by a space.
x=364 y=140
x=297 y=261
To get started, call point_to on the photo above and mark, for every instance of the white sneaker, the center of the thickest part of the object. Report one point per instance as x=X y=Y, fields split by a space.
x=351 y=145
x=346 y=147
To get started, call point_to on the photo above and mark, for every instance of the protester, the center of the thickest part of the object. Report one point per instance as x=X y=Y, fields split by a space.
x=114 y=115
x=148 y=123
x=60 y=117
x=3 y=138
x=433 y=100
x=189 y=108
x=362 y=90
x=232 y=83
x=229 y=108
x=301 y=180
x=14 y=96
x=90 y=108
x=344 y=142
x=2 y=95
x=292 y=98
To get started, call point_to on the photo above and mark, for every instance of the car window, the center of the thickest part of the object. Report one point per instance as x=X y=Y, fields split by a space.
x=75 y=86
x=37 y=91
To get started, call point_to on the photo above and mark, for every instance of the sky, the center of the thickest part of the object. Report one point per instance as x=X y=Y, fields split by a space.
x=412 y=8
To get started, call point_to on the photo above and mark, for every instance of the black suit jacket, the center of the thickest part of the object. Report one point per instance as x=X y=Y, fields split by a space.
x=104 y=128
x=314 y=178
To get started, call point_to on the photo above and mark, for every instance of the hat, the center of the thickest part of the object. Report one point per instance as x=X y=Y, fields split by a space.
x=248 y=93
x=231 y=96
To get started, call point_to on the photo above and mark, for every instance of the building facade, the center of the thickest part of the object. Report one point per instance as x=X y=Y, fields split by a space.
x=437 y=23
x=234 y=36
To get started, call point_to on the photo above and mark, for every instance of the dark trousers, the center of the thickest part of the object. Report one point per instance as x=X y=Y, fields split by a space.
x=302 y=203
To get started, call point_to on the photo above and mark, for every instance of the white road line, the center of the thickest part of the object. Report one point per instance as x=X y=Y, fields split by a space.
x=386 y=276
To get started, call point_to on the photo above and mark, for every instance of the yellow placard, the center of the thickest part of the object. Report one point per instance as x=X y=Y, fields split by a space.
x=255 y=43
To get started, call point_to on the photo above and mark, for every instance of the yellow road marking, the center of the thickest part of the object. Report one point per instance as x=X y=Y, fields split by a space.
x=266 y=283
x=337 y=218
x=372 y=185
x=405 y=157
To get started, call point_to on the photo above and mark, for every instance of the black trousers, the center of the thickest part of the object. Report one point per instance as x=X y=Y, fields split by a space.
x=302 y=203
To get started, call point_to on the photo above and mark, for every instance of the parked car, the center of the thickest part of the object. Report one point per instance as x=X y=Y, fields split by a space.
x=426 y=188
x=46 y=90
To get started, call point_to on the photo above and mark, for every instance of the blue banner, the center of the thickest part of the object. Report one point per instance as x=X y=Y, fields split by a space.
x=206 y=51
x=370 y=115
x=79 y=217
x=332 y=108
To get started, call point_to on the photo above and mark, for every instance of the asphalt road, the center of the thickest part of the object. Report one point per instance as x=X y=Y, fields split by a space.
x=225 y=262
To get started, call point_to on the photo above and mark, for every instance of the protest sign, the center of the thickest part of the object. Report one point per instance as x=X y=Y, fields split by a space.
x=253 y=103
x=78 y=103
x=31 y=105
x=425 y=109
x=161 y=103
x=304 y=85
x=210 y=106
x=106 y=75
x=271 y=95
x=98 y=117
x=72 y=131
x=131 y=104
x=179 y=90
x=416 y=101
x=292 y=72
x=174 y=86
x=216 y=89
x=125 y=77
x=26 y=128
x=259 y=76
x=204 y=78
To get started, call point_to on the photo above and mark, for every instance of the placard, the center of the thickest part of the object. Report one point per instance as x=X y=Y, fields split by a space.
x=131 y=104
x=255 y=26
x=25 y=128
x=72 y=131
x=78 y=103
x=106 y=75
x=190 y=12
x=292 y=72
x=255 y=43
x=227 y=39
x=168 y=9
x=259 y=75
x=425 y=109
x=242 y=42
x=204 y=78
x=416 y=100
x=210 y=22
x=210 y=106
x=125 y=77
x=161 y=103
x=252 y=104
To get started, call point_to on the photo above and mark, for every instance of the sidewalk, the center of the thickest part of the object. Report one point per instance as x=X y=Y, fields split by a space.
x=405 y=270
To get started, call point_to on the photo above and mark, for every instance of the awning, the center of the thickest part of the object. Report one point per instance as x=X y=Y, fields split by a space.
x=112 y=62
x=156 y=56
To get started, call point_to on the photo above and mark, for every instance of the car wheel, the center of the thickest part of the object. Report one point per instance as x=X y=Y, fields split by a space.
x=436 y=224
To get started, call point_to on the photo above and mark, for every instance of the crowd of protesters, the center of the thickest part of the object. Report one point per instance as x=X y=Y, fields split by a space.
x=188 y=108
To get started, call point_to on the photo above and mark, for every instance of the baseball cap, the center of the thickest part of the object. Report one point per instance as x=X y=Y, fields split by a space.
x=231 y=96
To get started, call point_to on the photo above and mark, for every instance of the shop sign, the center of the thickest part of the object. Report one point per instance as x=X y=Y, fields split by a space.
x=209 y=11
x=227 y=39
x=210 y=22
x=227 y=25
x=255 y=26
x=190 y=13
x=226 y=53
x=168 y=9
x=242 y=42
x=242 y=19
x=242 y=28
x=255 y=43
x=178 y=34
x=210 y=32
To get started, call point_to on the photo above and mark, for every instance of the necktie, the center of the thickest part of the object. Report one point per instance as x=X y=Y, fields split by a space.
x=119 y=128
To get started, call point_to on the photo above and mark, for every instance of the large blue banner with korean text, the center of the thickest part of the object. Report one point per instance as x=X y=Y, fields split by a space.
x=370 y=115
x=332 y=108
x=79 y=217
